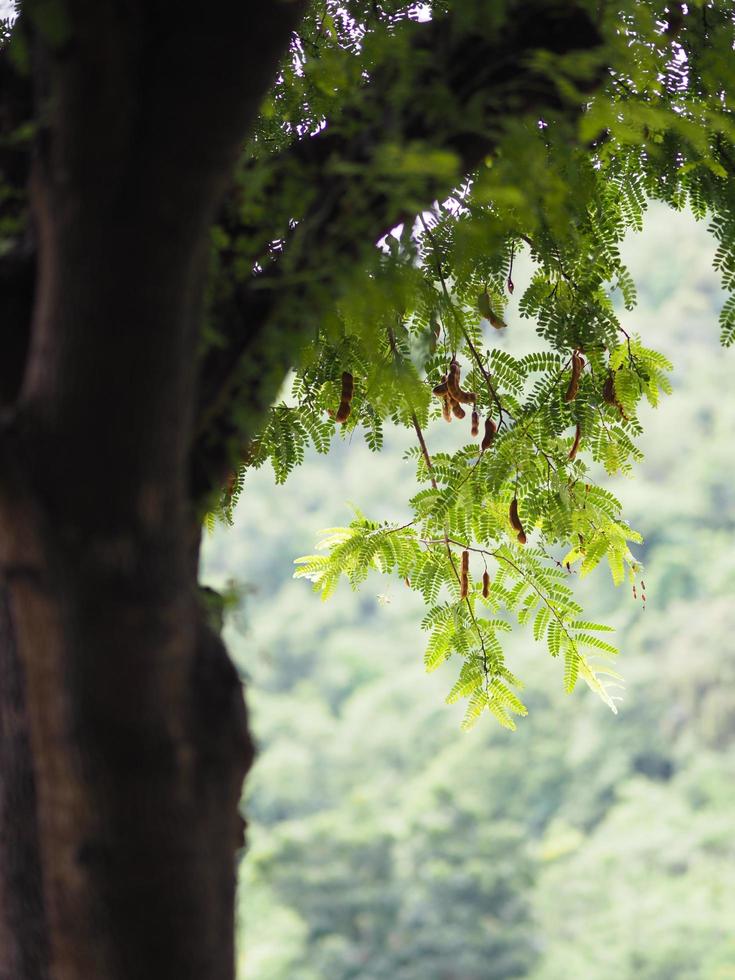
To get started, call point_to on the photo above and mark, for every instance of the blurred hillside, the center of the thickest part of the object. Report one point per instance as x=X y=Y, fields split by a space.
x=387 y=845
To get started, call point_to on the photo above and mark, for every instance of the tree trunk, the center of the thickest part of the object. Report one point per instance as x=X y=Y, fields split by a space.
x=123 y=737
x=123 y=750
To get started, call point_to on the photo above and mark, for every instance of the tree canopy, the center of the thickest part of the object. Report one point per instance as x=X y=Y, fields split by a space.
x=543 y=130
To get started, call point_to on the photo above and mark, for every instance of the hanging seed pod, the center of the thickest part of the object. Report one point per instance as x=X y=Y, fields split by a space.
x=608 y=390
x=441 y=388
x=609 y=394
x=447 y=408
x=490 y=430
x=457 y=409
x=575 y=445
x=573 y=388
x=485 y=585
x=475 y=423
x=515 y=520
x=454 y=388
x=486 y=310
x=465 y=576
x=343 y=412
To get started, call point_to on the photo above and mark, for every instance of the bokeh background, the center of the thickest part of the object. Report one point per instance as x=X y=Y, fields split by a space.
x=384 y=843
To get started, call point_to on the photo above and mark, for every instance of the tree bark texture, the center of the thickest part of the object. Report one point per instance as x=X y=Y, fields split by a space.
x=123 y=736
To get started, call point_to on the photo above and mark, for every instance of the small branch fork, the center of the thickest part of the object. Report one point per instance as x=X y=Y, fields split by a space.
x=492 y=392
x=509 y=561
x=430 y=468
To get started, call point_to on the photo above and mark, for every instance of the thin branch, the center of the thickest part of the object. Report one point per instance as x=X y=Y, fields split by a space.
x=483 y=370
x=430 y=469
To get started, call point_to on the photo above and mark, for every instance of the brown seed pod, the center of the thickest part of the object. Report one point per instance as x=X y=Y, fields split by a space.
x=490 y=430
x=485 y=585
x=447 y=408
x=515 y=520
x=465 y=577
x=457 y=408
x=441 y=388
x=575 y=444
x=609 y=394
x=455 y=390
x=573 y=388
x=608 y=390
x=343 y=412
x=475 y=423
x=486 y=310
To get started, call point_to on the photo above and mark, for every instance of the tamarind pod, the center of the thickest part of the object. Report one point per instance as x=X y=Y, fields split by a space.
x=441 y=388
x=348 y=387
x=485 y=585
x=490 y=430
x=465 y=576
x=486 y=310
x=571 y=393
x=608 y=390
x=515 y=520
x=577 y=365
x=475 y=423
x=575 y=444
x=609 y=395
x=446 y=408
x=454 y=388
x=343 y=412
x=459 y=412
x=453 y=379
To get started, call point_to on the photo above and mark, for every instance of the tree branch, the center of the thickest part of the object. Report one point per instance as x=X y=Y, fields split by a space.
x=438 y=90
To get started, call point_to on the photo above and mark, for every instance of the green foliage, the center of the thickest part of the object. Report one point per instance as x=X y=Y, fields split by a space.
x=562 y=192
x=582 y=845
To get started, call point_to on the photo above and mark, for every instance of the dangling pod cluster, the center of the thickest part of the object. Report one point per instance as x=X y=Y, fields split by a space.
x=453 y=396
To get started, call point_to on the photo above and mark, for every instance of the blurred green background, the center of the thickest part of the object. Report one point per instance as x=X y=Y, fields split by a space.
x=385 y=844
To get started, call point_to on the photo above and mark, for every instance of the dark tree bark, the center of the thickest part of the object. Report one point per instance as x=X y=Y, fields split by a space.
x=123 y=736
